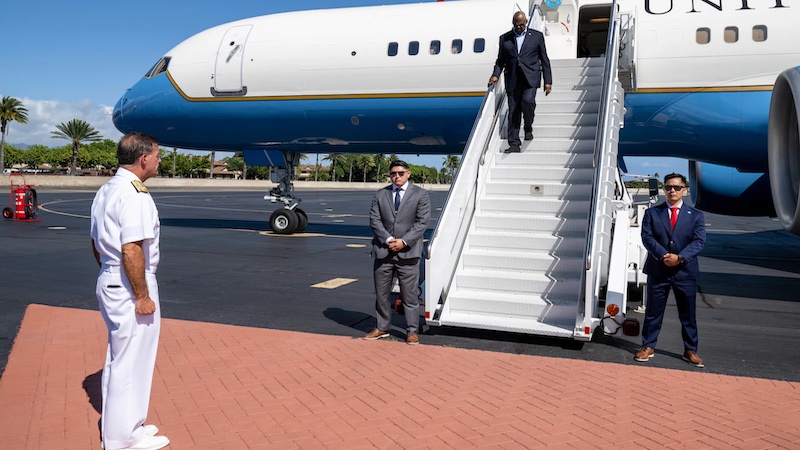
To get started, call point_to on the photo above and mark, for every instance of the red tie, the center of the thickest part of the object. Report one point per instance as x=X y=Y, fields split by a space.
x=674 y=217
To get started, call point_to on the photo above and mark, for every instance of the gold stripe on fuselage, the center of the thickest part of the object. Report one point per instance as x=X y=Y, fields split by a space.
x=688 y=90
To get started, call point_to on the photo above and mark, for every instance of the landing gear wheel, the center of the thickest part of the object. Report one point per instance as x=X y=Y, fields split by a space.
x=7 y=213
x=302 y=219
x=283 y=221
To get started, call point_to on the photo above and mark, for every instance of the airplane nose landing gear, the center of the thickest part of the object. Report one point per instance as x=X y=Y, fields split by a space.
x=289 y=219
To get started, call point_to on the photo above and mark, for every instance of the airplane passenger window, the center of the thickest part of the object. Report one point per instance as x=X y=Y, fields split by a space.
x=703 y=36
x=436 y=47
x=393 y=48
x=760 y=33
x=731 y=34
x=413 y=48
x=479 y=45
x=456 y=47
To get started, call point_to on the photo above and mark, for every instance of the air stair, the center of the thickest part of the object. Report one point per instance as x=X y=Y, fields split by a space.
x=524 y=241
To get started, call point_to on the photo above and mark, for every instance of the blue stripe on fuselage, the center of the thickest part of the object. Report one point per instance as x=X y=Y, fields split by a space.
x=375 y=125
x=728 y=128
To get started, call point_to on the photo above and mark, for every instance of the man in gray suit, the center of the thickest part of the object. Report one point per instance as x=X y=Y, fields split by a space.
x=398 y=217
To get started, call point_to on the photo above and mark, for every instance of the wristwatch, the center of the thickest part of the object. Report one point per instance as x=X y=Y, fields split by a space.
x=681 y=259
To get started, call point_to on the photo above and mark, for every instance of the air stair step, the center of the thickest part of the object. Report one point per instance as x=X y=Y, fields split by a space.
x=533 y=205
x=567 y=107
x=583 y=175
x=551 y=145
x=530 y=241
x=564 y=191
x=525 y=261
x=578 y=62
x=569 y=95
x=546 y=159
x=556 y=226
x=519 y=282
x=563 y=131
x=581 y=119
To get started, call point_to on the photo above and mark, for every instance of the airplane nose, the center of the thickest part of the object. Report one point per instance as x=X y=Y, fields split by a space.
x=123 y=113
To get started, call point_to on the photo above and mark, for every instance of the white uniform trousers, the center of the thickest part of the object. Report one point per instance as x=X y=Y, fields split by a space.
x=130 y=361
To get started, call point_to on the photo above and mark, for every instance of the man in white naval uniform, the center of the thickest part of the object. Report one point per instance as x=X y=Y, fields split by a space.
x=125 y=233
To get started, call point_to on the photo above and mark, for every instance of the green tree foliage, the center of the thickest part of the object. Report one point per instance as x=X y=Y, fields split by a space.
x=11 y=110
x=100 y=155
x=76 y=131
x=14 y=156
x=36 y=155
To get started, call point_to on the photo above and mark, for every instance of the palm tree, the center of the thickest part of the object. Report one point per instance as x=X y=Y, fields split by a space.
x=379 y=159
x=336 y=159
x=11 y=109
x=77 y=131
x=451 y=163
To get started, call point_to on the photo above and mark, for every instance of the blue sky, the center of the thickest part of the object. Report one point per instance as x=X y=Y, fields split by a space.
x=67 y=60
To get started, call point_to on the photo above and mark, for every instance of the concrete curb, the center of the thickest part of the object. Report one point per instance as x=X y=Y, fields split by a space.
x=89 y=182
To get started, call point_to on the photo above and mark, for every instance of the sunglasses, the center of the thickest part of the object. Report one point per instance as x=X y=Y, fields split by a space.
x=519 y=25
x=399 y=172
x=673 y=188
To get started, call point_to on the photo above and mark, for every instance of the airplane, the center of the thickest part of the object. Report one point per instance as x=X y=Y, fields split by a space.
x=715 y=82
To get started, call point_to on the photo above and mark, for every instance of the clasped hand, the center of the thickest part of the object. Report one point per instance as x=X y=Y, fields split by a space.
x=671 y=260
x=396 y=245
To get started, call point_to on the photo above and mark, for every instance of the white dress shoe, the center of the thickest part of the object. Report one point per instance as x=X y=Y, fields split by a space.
x=150 y=443
x=150 y=430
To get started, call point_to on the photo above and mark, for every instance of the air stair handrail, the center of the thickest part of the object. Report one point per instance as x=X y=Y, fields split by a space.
x=447 y=241
x=605 y=165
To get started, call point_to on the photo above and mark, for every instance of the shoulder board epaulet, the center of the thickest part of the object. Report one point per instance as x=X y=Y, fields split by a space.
x=139 y=186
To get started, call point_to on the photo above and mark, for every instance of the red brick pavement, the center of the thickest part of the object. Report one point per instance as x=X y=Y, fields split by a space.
x=230 y=387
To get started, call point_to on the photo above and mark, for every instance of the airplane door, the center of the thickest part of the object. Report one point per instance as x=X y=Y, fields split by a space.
x=228 y=67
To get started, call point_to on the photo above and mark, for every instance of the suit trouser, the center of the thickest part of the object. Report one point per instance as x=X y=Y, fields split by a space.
x=408 y=277
x=130 y=359
x=685 y=298
x=521 y=103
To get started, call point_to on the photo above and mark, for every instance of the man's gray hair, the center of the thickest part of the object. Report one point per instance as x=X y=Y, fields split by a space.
x=132 y=146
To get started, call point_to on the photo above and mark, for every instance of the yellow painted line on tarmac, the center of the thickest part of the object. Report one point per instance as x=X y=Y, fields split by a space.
x=334 y=283
x=272 y=233
x=356 y=245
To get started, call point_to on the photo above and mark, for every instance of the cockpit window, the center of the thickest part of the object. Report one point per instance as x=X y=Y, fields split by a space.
x=159 y=67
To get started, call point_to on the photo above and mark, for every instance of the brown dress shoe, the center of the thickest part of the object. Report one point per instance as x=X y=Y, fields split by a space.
x=376 y=334
x=692 y=358
x=645 y=354
x=412 y=339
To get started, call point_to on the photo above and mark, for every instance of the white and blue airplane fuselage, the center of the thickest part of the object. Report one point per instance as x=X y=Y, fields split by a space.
x=410 y=79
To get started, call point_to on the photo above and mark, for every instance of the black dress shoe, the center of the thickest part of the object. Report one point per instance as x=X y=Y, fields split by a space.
x=514 y=148
x=528 y=136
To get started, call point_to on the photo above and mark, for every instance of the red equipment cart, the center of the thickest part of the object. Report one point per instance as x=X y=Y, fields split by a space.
x=23 y=202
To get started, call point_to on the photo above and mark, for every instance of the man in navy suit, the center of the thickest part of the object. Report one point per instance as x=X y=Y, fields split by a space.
x=673 y=233
x=523 y=56
x=398 y=217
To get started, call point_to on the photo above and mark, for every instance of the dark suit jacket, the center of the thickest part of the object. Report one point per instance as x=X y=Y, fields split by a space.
x=408 y=224
x=687 y=240
x=531 y=62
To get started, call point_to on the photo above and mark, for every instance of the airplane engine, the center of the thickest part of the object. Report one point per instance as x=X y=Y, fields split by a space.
x=726 y=190
x=784 y=148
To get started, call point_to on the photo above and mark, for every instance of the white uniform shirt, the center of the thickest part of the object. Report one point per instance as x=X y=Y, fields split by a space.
x=121 y=215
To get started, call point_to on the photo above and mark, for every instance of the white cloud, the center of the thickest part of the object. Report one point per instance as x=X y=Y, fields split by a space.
x=44 y=115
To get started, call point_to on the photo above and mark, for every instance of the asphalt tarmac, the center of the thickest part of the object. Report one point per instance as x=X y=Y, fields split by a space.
x=221 y=264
